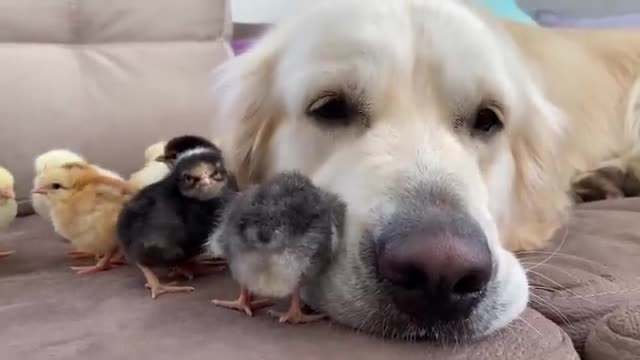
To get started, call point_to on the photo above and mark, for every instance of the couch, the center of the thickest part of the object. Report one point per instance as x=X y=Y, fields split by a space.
x=108 y=78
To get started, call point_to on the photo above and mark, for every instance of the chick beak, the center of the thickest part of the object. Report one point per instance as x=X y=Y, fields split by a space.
x=41 y=191
x=7 y=193
x=161 y=158
x=206 y=181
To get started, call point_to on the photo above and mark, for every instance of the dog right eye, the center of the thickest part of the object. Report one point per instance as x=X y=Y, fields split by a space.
x=333 y=109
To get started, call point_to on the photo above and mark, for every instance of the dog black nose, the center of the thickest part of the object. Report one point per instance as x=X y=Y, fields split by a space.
x=438 y=268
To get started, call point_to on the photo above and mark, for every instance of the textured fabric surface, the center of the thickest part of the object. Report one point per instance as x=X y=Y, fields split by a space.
x=48 y=312
x=616 y=336
x=104 y=78
x=590 y=269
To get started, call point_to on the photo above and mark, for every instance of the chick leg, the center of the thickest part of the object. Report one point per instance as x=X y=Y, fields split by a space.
x=195 y=268
x=118 y=259
x=81 y=255
x=295 y=315
x=102 y=265
x=158 y=288
x=4 y=254
x=213 y=262
x=243 y=303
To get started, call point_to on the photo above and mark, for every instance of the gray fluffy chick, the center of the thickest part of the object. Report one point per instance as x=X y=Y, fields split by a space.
x=276 y=236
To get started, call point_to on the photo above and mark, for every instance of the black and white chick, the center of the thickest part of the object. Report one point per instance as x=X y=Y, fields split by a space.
x=168 y=223
x=276 y=236
x=181 y=144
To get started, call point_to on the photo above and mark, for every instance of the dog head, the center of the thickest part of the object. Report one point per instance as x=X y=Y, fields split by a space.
x=425 y=119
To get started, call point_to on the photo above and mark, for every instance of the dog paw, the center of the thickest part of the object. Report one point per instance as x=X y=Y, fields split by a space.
x=631 y=184
x=607 y=182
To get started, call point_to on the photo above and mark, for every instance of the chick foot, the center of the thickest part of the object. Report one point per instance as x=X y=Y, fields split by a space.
x=118 y=259
x=81 y=255
x=157 y=288
x=243 y=303
x=103 y=264
x=213 y=262
x=295 y=315
x=193 y=269
x=4 y=254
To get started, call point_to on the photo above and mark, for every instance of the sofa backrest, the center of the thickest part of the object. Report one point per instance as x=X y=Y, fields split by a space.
x=104 y=78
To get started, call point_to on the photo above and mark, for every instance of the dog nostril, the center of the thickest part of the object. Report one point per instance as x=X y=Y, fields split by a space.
x=409 y=277
x=437 y=275
x=471 y=283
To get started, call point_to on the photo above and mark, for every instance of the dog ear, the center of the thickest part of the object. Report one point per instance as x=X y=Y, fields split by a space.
x=541 y=196
x=246 y=111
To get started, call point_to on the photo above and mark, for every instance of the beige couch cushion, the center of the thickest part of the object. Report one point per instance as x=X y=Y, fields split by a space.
x=104 y=78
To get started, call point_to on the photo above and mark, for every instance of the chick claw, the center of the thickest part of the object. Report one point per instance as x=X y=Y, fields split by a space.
x=243 y=303
x=118 y=259
x=81 y=255
x=102 y=265
x=159 y=289
x=84 y=270
x=193 y=269
x=213 y=262
x=4 y=254
x=295 y=315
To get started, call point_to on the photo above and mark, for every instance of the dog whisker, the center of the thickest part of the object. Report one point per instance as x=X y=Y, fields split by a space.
x=559 y=269
x=529 y=325
x=564 y=288
x=544 y=302
x=566 y=234
x=559 y=254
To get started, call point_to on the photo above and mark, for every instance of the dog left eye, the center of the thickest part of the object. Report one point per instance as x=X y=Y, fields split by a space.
x=487 y=121
x=333 y=109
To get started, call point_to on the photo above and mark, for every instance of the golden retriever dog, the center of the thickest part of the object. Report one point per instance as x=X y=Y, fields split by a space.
x=452 y=136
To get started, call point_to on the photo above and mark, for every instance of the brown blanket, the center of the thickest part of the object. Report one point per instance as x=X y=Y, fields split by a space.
x=48 y=312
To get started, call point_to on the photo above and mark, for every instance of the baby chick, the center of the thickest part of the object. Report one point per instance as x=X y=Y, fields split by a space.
x=154 y=151
x=8 y=204
x=57 y=158
x=50 y=159
x=154 y=169
x=275 y=237
x=167 y=223
x=181 y=144
x=84 y=209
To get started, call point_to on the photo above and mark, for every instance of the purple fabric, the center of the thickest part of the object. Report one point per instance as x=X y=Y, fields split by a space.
x=550 y=18
x=240 y=46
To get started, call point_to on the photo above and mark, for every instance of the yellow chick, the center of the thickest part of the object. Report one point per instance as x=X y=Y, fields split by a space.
x=8 y=204
x=153 y=152
x=57 y=158
x=84 y=209
x=153 y=170
x=50 y=159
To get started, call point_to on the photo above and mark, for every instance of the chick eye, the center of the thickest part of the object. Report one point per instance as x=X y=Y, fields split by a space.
x=333 y=109
x=188 y=179
x=56 y=186
x=487 y=122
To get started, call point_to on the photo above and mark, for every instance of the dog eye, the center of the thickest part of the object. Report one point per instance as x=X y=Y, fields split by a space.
x=333 y=109
x=487 y=121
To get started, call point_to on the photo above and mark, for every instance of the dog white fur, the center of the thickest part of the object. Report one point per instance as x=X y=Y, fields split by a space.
x=416 y=69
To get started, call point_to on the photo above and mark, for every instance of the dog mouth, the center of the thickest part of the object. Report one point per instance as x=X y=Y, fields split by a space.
x=379 y=290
